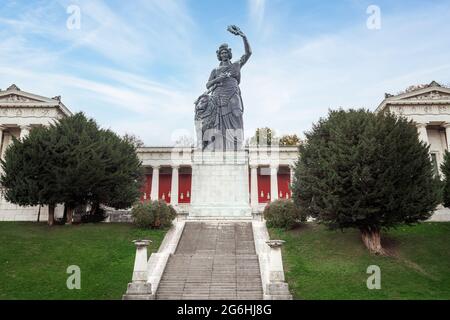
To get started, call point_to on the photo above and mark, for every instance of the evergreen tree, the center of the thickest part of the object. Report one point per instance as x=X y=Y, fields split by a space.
x=72 y=162
x=94 y=165
x=445 y=168
x=26 y=175
x=363 y=170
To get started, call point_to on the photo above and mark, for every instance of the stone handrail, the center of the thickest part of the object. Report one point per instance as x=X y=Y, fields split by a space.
x=147 y=273
x=270 y=263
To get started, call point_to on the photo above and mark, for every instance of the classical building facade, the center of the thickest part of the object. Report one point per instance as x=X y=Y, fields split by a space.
x=429 y=107
x=20 y=112
x=168 y=170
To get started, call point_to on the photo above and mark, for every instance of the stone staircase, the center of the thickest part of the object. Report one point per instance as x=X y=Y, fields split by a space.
x=213 y=260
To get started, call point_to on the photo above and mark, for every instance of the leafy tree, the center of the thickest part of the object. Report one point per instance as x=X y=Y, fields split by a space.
x=263 y=137
x=289 y=140
x=363 y=170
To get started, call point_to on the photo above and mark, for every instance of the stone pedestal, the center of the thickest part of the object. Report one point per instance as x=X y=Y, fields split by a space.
x=140 y=288
x=277 y=288
x=220 y=186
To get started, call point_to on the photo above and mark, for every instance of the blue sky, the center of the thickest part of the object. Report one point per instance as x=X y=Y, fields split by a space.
x=138 y=66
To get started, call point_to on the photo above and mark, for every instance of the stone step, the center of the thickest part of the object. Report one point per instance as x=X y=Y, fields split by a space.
x=213 y=261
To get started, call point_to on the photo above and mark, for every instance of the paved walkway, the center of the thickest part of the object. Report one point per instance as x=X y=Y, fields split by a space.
x=441 y=214
x=213 y=260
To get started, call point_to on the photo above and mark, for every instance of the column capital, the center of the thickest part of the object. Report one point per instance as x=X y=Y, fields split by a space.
x=254 y=166
x=446 y=125
x=175 y=166
x=421 y=125
x=274 y=166
x=156 y=167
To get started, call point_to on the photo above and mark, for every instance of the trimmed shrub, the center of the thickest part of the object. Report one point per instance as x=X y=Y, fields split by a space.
x=281 y=213
x=153 y=214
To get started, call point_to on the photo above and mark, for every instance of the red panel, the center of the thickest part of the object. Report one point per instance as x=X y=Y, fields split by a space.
x=263 y=188
x=284 y=181
x=165 y=181
x=184 y=188
x=146 y=188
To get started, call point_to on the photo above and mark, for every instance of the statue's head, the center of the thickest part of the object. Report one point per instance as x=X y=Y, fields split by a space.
x=224 y=53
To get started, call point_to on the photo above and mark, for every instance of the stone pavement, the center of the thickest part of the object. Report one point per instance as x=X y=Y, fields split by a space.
x=441 y=214
x=213 y=260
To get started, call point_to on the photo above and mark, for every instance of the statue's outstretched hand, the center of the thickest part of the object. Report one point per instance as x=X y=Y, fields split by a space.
x=235 y=30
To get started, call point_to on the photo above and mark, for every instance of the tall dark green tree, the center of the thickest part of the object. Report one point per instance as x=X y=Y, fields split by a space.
x=94 y=165
x=445 y=168
x=363 y=170
x=27 y=177
x=73 y=162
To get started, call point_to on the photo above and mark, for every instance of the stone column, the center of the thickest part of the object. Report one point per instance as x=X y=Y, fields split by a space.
x=24 y=131
x=174 y=186
x=277 y=287
x=291 y=172
x=1 y=140
x=273 y=182
x=254 y=187
x=447 y=135
x=155 y=184
x=422 y=129
x=139 y=288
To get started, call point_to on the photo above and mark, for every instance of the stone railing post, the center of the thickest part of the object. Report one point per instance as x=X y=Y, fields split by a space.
x=139 y=288
x=277 y=288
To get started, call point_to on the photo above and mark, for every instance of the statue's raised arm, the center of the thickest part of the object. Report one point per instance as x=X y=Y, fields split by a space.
x=248 y=51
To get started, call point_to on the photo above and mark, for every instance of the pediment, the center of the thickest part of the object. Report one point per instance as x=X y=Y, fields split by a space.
x=435 y=94
x=433 y=91
x=431 y=94
x=18 y=98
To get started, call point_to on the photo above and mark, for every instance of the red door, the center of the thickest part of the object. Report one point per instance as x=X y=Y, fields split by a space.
x=146 y=188
x=184 y=188
x=165 y=181
x=284 y=180
x=263 y=185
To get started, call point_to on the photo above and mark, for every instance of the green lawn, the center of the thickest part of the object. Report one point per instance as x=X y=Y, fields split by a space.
x=319 y=264
x=34 y=259
x=323 y=264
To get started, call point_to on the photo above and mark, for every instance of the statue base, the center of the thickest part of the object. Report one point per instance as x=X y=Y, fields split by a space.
x=220 y=185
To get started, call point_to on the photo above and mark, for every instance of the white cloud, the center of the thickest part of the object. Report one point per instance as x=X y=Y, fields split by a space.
x=257 y=8
x=287 y=86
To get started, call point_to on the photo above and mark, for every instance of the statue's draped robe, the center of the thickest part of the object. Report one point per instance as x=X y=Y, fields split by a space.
x=221 y=114
x=226 y=97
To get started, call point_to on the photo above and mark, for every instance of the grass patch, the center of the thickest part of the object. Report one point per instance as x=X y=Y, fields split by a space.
x=34 y=259
x=323 y=264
